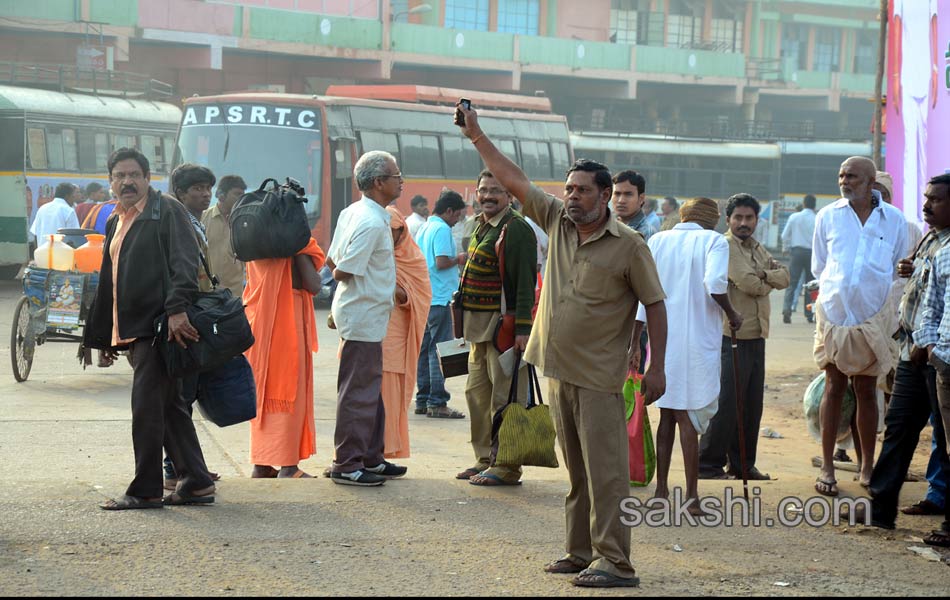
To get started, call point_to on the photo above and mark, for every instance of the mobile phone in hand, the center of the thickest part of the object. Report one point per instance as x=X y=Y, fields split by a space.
x=459 y=117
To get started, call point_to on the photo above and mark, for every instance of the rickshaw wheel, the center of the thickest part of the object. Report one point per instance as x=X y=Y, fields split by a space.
x=22 y=341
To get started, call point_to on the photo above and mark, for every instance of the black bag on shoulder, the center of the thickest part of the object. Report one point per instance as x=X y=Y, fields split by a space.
x=270 y=223
x=223 y=329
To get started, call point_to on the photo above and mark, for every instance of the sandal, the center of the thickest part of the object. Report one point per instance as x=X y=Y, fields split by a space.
x=603 y=579
x=130 y=503
x=468 y=473
x=939 y=538
x=444 y=412
x=563 y=565
x=182 y=499
x=298 y=474
x=826 y=487
x=924 y=507
x=490 y=480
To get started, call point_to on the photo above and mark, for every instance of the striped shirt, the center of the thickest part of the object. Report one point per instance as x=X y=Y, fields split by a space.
x=934 y=324
x=912 y=300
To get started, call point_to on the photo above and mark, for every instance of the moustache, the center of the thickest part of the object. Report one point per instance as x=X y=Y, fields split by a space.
x=129 y=188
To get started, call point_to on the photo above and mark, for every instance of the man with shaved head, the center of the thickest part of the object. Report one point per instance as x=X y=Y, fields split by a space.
x=858 y=241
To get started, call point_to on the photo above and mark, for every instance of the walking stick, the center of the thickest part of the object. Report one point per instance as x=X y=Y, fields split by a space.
x=739 y=410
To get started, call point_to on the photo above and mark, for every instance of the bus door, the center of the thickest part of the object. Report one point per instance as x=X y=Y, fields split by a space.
x=341 y=178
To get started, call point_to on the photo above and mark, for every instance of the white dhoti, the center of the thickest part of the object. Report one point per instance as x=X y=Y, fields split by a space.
x=865 y=349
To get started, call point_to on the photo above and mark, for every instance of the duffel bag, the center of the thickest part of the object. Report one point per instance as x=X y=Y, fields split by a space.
x=270 y=223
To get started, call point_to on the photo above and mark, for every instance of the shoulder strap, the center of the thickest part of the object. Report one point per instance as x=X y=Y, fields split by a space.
x=500 y=253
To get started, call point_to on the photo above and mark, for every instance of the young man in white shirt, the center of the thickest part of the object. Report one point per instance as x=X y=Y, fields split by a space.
x=361 y=256
x=797 y=239
x=420 y=212
x=858 y=241
x=58 y=214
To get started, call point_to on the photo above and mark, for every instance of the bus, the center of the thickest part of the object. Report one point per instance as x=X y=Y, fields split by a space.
x=317 y=140
x=778 y=173
x=50 y=137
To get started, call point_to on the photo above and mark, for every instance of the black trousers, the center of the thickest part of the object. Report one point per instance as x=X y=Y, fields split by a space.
x=160 y=419
x=800 y=263
x=721 y=441
x=913 y=400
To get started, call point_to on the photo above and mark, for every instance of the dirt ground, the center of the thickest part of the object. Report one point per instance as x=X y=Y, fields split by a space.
x=65 y=446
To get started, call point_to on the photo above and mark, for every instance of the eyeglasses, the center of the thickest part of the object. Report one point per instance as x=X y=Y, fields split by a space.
x=397 y=176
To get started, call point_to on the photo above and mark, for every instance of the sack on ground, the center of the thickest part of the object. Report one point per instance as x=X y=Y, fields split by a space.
x=812 y=404
x=639 y=435
x=227 y=395
x=270 y=223
x=524 y=435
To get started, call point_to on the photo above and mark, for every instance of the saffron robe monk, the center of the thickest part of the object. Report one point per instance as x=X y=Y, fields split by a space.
x=285 y=334
x=407 y=324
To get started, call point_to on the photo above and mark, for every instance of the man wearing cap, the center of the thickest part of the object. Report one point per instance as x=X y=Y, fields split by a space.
x=693 y=263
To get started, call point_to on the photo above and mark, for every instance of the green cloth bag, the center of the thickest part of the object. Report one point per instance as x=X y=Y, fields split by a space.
x=524 y=435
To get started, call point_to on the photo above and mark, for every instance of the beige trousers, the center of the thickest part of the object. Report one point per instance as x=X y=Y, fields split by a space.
x=591 y=429
x=486 y=391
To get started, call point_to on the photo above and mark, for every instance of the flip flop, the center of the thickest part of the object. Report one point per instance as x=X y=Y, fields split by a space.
x=468 y=473
x=298 y=474
x=127 y=502
x=491 y=477
x=562 y=566
x=827 y=489
x=179 y=499
x=603 y=579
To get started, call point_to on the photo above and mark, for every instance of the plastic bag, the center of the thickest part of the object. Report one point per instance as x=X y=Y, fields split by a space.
x=812 y=405
x=639 y=434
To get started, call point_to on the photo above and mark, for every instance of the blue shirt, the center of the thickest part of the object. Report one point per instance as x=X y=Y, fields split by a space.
x=435 y=239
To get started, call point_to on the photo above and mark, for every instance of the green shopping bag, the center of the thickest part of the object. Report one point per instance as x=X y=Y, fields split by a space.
x=639 y=435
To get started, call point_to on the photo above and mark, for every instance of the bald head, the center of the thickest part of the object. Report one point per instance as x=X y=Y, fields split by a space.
x=856 y=178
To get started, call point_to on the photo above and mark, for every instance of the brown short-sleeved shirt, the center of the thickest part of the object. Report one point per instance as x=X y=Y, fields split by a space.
x=589 y=298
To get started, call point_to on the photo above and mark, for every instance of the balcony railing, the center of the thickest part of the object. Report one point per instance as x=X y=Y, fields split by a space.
x=69 y=78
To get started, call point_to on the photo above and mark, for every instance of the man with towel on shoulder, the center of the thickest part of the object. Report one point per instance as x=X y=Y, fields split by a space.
x=693 y=263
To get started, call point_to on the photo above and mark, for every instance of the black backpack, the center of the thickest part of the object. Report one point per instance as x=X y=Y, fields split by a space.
x=270 y=223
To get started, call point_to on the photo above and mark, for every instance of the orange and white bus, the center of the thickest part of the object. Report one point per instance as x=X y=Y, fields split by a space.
x=317 y=140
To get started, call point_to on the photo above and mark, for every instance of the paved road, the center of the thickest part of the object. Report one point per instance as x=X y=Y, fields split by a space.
x=65 y=446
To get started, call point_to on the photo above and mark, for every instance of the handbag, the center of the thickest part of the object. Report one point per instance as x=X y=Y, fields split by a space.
x=227 y=395
x=524 y=435
x=223 y=329
x=639 y=434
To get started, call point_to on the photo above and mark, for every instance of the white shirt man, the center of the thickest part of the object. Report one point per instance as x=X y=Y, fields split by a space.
x=799 y=230
x=414 y=222
x=693 y=263
x=855 y=264
x=51 y=217
x=363 y=246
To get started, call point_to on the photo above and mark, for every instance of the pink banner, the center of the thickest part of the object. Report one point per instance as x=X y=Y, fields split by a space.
x=918 y=99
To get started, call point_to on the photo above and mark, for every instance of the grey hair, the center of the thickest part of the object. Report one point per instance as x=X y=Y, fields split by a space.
x=371 y=166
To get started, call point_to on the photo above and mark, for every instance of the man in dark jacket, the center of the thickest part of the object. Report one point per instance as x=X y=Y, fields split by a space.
x=149 y=267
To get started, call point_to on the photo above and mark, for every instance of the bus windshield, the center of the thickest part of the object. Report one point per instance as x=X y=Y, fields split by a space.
x=256 y=142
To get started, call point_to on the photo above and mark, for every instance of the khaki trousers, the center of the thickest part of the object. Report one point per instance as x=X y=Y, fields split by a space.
x=591 y=429
x=486 y=391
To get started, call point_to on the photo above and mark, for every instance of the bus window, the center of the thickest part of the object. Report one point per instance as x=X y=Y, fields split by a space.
x=36 y=144
x=153 y=151
x=507 y=148
x=531 y=161
x=544 y=160
x=168 y=143
x=374 y=140
x=61 y=149
x=102 y=151
x=455 y=165
x=120 y=140
x=420 y=155
x=560 y=159
x=87 y=150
